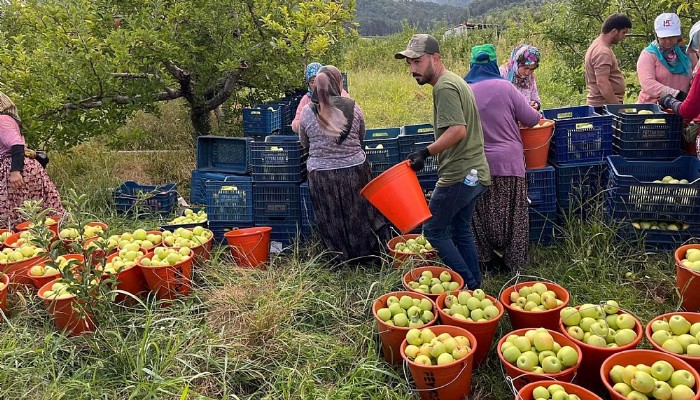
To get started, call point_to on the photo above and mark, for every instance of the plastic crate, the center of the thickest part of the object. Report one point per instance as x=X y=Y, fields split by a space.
x=579 y=182
x=635 y=126
x=646 y=149
x=580 y=135
x=198 y=191
x=219 y=228
x=230 y=199
x=308 y=217
x=660 y=239
x=279 y=159
x=427 y=184
x=417 y=129
x=414 y=142
x=633 y=194
x=381 y=146
x=378 y=168
x=284 y=230
x=277 y=201
x=287 y=113
x=223 y=154
x=131 y=196
x=542 y=224
x=261 y=119
x=541 y=186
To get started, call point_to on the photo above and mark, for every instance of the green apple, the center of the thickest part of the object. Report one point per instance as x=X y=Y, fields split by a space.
x=450 y=299
x=543 y=341
x=539 y=288
x=551 y=365
x=560 y=395
x=570 y=316
x=540 y=392
x=413 y=336
x=511 y=354
x=427 y=335
x=437 y=348
x=411 y=351
x=635 y=395
x=615 y=373
x=589 y=311
x=384 y=314
x=395 y=309
x=682 y=392
x=672 y=346
x=423 y=359
x=596 y=341
x=473 y=303
x=525 y=363
x=678 y=324
x=401 y=320
x=661 y=336
x=685 y=340
x=625 y=321
x=445 y=276
x=624 y=337
x=682 y=377
x=406 y=302
x=695 y=329
x=555 y=388
x=586 y=323
x=627 y=373
x=662 y=390
x=661 y=370
x=445 y=358
x=611 y=307
x=460 y=352
x=622 y=388
x=522 y=343
x=642 y=382
x=693 y=350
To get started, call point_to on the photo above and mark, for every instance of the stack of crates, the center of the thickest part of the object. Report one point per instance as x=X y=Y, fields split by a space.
x=262 y=120
x=308 y=218
x=222 y=182
x=648 y=204
x=581 y=140
x=414 y=138
x=279 y=167
x=645 y=132
x=288 y=107
x=382 y=148
x=541 y=193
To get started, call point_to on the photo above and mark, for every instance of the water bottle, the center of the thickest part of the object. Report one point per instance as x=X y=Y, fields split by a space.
x=472 y=179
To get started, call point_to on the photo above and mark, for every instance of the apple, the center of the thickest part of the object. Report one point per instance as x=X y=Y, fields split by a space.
x=642 y=382
x=678 y=324
x=540 y=392
x=423 y=360
x=662 y=370
x=551 y=365
x=511 y=353
x=625 y=321
x=682 y=392
x=662 y=390
x=672 y=346
x=682 y=377
x=622 y=388
x=660 y=324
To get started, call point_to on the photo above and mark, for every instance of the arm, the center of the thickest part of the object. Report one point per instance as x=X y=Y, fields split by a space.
x=535 y=94
x=602 y=64
x=11 y=138
x=646 y=72
x=303 y=137
x=690 y=107
x=297 y=117
x=361 y=120
x=524 y=112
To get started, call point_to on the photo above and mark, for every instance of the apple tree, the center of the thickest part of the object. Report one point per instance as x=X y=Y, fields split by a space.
x=79 y=68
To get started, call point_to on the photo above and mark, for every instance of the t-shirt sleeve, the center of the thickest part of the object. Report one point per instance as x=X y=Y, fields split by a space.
x=9 y=134
x=602 y=63
x=690 y=108
x=448 y=107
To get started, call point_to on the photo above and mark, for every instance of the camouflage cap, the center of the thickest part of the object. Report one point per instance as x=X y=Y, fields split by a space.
x=419 y=45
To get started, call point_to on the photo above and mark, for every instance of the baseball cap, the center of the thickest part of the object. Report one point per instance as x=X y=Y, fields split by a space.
x=694 y=42
x=419 y=45
x=667 y=24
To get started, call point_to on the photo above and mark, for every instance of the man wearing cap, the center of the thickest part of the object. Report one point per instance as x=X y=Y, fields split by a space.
x=663 y=66
x=459 y=148
x=604 y=80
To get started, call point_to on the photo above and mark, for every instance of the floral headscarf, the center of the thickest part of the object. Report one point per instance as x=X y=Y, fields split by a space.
x=521 y=56
x=7 y=107
x=311 y=71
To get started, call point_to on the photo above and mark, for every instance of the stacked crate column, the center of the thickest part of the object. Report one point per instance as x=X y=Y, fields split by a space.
x=541 y=193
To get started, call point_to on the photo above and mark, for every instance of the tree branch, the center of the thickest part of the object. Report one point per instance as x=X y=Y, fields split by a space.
x=229 y=83
x=96 y=102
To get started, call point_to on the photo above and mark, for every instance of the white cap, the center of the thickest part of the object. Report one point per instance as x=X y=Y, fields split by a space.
x=667 y=24
x=694 y=41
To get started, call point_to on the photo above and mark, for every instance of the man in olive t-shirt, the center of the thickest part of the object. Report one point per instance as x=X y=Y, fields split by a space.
x=459 y=148
x=604 y=80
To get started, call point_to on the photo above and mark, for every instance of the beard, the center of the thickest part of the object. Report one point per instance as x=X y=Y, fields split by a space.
x=427 y=75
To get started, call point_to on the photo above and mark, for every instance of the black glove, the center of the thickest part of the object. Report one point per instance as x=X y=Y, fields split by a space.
x=670 y=102
x=417 y=159
x=681 y=95
x=17 y=160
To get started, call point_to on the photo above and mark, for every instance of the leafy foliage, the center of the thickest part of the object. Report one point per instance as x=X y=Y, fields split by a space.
x=385 y=17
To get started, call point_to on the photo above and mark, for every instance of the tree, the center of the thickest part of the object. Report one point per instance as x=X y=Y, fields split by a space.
x=79 y=68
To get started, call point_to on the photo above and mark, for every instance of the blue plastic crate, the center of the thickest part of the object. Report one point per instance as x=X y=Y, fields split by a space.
x=414 y=142
x=223 y=154
x=660 y=239
x=277 y=200
x=635 y=126
x=579 y=182
x=230 y=199
x=287 y=113
x=417 y=129
x=306 y=208
x=381 y=146
x=198 y=188
x=427 y=184
x=647 y=149
x=284 y=230
x=542 y=226
x=219 y=228
x=580 y=135
x=131 y=196
x=261 y=119
x=633 y=194
x=279 y=159
x=541 y=186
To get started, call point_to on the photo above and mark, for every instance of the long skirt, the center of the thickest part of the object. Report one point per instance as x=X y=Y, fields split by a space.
x=37 y=186
x=500 y=222
x=346 y=222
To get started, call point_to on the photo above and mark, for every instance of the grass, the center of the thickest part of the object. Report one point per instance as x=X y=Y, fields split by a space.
x=303 y=328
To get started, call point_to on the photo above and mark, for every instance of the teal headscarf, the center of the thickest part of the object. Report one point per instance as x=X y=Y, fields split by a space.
x=674 y=60
x=311 y=71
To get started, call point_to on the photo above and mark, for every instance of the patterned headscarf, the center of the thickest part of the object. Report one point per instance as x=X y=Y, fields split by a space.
x=311 y=71
x=7 y=107
x=521 y=56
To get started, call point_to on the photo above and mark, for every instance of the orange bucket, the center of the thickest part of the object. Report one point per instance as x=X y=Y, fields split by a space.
x=40 y=281
x=11 y=241
x=65 y=313
x=397 y=194
x=687 y=281
x=202 y=253
x=23 y=226
x=17 y=271
x=250 y=247
x=593 y=357
x=526 y=392
x=445 y=382
x=415 y=273
x=520 y=319
x=391 y=336
x=400 y=259
x=129 y=280
x=536 y=143
x=648 y=357
x=68 y=242
x=168 y=281
x=5 y=279
x=692 y=318
x=2 y=242
x=520 y=377
x=482 y=331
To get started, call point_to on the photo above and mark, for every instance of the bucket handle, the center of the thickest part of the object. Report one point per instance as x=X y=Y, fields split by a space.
x=545 y=143
x=405 y=366
x=517 y=277
x=414 y=267
x=511 y=381
x=262 y=235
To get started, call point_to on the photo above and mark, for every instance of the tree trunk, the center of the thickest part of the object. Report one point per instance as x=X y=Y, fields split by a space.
x=200 y=122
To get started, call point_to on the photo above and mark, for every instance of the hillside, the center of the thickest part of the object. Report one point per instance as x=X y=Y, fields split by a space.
x=384 y=17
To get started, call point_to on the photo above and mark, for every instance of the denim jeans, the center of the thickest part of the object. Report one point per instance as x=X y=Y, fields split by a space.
x=450 y=231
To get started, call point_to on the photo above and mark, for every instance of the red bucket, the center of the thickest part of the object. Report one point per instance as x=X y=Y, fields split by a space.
x=129 y=280
x=400 y=259
x=169 y=281
x=41 y=280
x=692 y=318
x=482 y=331
x=415 y=273
x=5 y=279
x=23 y=226
x=250 y=247
x=397 y=194
x=445 y=382
x=526 y=392
x=536 y=142
x=687 y=280
x=520 y=319
x=648 y=357
x=67 y=314
x=390 y=335
x=520 y=377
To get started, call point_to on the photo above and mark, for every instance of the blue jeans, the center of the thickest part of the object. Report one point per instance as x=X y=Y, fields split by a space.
x=450 y=229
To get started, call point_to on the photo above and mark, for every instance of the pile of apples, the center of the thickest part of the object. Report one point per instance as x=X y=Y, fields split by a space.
x=472 y=307
x=42 y=270
x=406 y=312
x=10 y=255
x=4 y=235
x=139 y=236
x=599 y=326
x=538 y=352
x=658 y=381
x=692 y=259
x=126 y=258
x=427 y=283
x=60 y=290
x=163 y=256
x=554 y=392
x=534 y=298
x=671 y=226
x=25 y=237
x=88 y=232
x=425 y=348
x=189 y=217
x=670 y=179
x=676 y=335
x=182 y=237
x=414 y=246
x=48 y=221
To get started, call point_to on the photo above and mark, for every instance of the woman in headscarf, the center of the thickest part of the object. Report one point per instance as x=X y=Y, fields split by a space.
x=500 y=222
x=663 y=67
x=520 y=71
x=310 y=78
x=333 y=128
x=21 y=178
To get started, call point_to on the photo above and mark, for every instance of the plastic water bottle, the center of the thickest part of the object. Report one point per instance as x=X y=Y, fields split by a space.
x=472 y=179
